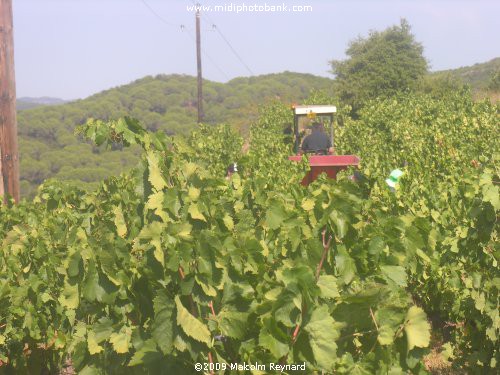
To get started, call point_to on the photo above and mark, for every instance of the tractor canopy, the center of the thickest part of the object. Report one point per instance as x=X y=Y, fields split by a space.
x=330 y=164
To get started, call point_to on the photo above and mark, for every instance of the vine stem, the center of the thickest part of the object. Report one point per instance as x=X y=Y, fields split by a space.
x=211 y=305
x=295 y=333
x=376 y=326
x=373 y=318
x=181 y=273
x=326 y=246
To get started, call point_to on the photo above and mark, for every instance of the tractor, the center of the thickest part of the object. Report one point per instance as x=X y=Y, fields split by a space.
x=330 y=164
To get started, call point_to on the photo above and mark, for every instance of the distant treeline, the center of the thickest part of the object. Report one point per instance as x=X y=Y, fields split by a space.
x=49 y=148
x=383 y=64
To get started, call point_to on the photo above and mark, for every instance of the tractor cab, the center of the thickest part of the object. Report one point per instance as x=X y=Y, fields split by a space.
x=320 y=161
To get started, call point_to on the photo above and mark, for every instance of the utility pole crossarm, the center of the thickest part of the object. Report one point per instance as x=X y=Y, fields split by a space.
x=9 y=159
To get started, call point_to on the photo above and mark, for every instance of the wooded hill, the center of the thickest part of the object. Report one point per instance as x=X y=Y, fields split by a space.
x=49 y=148
x=167 y=103
x=479 y=76
x=29 y=103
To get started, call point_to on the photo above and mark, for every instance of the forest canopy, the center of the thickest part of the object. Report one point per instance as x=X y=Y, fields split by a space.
x=165 y=103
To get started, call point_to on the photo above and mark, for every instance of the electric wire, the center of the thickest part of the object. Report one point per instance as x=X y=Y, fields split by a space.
x=232 y=49
x=224 y=38
x=184 y=28
x=159 y=16
x=208 y=56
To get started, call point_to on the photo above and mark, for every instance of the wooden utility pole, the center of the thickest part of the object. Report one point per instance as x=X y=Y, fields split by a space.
x=198 y=60
x=2 y=191
x=9 y=160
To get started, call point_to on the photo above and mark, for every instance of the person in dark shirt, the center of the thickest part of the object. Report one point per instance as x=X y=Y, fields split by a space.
x=317 y=142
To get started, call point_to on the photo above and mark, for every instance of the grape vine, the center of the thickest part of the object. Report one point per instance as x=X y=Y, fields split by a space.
x=172 y=264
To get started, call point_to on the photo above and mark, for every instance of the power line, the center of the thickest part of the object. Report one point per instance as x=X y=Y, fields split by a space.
x=160 y=17
x=207 y=55
x=234 y=51
x=225 y=40
x=184 y=28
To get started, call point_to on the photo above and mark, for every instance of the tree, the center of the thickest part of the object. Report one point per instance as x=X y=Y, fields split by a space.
x=441 y=85
x=382 y=64
x=494 y=84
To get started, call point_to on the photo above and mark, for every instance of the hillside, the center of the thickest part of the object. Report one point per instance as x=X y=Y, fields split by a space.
x=48 y=147
x=29 y=103
x=478 y=76
x=166 y=103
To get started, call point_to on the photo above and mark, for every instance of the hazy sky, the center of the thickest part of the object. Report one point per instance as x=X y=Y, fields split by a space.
x=74 y=48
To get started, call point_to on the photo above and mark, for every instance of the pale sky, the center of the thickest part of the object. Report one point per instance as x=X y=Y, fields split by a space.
x=74 y=48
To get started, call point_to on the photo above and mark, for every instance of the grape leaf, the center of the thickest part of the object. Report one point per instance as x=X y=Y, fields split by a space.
x=308 y=204
x=385 y=335
x=195 y=213
x=193 y=193
x=417 y=328
x=190 y=325
x=273 y=339
x=155 y=174
x=275 y=216
x=69 y=297
x=93 y=346
x=121 y=227
x=322 y=334
x=395 y=273
x=232 y=323
x=228 y=222
x=328 y=286
x=146 y=354
x=121 y=340
x=491 y=194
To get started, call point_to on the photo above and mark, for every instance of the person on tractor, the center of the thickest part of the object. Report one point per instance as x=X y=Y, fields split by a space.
x=317 y=142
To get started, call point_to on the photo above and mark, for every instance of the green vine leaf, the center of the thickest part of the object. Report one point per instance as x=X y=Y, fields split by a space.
x=121 y=340
x=322 y=337
x=121 y=227
x=417 y=328
x=192 y=326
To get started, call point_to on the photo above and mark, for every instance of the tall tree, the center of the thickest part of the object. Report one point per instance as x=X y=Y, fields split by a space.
x=380 y=65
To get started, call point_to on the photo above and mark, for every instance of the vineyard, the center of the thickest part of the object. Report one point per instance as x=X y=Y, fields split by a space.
x=172 y=264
